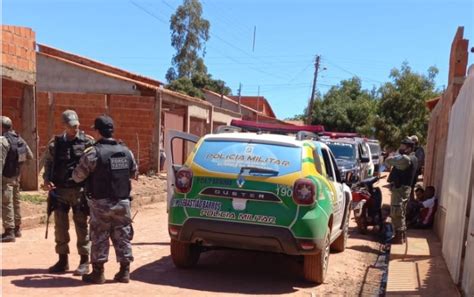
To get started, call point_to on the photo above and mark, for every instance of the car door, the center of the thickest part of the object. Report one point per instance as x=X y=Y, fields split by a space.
x=335 y=179
x=364 y=161
x=176 y=143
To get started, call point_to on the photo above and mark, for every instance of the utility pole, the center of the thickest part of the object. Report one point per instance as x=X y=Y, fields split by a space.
x=309 y=112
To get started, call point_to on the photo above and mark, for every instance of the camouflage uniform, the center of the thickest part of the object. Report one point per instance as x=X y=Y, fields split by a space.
x=11 y=214
x=400 y=193
x=69 y=197
x=109 y=218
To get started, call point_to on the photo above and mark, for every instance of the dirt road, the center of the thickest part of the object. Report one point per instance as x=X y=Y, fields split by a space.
x=219 y=273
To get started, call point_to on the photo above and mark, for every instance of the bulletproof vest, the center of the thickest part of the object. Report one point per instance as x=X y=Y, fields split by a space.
x=404 y=177
x=111 y=177
x=66 y=157
x=16 y=155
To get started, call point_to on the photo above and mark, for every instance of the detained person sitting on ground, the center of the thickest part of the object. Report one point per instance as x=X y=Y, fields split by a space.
x=427 y=209
x=413 y=206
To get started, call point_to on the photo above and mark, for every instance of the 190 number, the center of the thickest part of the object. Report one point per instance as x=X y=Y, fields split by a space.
x=284 y=191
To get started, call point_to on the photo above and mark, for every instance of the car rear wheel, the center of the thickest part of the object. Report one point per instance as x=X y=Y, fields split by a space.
x=315 y=266
x=184 y=255
x=339 y=245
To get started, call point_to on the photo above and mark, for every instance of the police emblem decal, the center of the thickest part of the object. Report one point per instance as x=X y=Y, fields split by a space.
x=240 y=181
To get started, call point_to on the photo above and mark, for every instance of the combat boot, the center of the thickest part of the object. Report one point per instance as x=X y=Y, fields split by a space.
x=83 y=267
x=398 y=238
x=123 y=276
x=61 y=266
x=17 y=231
x=96 y=276
x=8 y=236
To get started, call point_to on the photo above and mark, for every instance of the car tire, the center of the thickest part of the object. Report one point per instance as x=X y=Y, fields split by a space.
x=339 y=245
x=184 y=255
x=315 y=266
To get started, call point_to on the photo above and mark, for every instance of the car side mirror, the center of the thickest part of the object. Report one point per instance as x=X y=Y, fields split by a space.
x=365 y=159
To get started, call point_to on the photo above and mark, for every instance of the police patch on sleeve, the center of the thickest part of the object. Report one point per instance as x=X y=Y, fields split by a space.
x=119 y=163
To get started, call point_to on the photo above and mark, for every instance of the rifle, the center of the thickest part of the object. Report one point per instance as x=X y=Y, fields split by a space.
x=50 y=207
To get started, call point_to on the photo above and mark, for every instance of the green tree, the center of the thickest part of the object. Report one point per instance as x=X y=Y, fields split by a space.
x=189 y=33
x=402 y=110
x=195 y=85
x=346 y=108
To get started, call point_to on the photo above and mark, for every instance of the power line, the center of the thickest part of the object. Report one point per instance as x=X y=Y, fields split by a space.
x=350 y=72
x=148 y=12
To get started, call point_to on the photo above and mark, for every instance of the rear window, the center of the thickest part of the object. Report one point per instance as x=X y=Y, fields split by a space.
x=232 y=156
x=374 y=148
x=342 y=150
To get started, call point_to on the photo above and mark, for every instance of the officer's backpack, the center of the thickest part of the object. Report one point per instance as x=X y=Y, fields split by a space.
x=16 y=155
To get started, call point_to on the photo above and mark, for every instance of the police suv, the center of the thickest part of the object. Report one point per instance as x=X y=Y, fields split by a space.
x=256 y=191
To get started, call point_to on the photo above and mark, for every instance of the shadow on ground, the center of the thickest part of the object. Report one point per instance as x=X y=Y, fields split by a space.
x=229 y=271
x=47 y=281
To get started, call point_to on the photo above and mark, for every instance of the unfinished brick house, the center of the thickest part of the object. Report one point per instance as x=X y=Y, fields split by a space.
x=40 y=82
x=18 y=100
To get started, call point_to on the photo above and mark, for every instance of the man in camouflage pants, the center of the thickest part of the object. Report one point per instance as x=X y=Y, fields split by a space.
x=108 y=167
x=62 y=156
x=15 y=152
x=404 y=168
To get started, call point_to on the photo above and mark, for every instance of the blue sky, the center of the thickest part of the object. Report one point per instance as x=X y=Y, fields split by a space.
x=363 y=37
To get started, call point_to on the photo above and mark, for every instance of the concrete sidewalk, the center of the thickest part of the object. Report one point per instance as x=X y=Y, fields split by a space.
x=419 y=270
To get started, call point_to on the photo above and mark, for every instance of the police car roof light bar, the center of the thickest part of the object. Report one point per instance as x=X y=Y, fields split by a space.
x=228 y=129
x=252 y=126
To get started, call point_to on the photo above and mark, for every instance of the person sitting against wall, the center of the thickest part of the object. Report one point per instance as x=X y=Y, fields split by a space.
x=427 y=209
x=413 y=206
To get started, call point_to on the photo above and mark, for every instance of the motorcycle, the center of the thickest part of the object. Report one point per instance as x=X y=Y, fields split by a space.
x=367 y=205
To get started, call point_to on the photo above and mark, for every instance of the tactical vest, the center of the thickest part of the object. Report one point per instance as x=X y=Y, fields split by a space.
x=67 y=154
x=404 y=177
x=111 y=177
x=16 y=155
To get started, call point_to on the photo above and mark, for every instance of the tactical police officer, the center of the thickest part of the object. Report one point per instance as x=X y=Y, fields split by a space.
x=15 y=152
x=62 y=156
x=401 y=177
x=108 y=167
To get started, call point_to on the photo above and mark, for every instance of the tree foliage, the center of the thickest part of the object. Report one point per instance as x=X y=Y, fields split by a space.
x=189 y=33
x=394 y=111
x=402 y=110
x=195 y=85
x=346 y=108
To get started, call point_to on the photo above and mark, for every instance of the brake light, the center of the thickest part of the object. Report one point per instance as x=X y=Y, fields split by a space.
x=307 y=245
x=174 y=231
x=184 y=180
x=304 y=191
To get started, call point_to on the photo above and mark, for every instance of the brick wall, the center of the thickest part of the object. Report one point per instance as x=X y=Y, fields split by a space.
x=11 y=102
x=132 y=115
x=18 y=48
x=439 y=125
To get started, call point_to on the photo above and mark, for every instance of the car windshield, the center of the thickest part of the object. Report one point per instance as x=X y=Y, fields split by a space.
x=342 y=150
x=374 y=149
x=257 y=159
